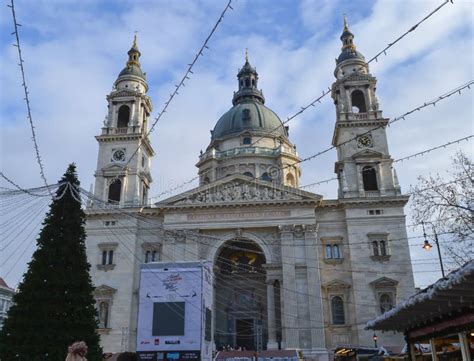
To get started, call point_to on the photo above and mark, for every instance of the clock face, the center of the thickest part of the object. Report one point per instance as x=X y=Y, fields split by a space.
x=118 y=155
x=364 y=141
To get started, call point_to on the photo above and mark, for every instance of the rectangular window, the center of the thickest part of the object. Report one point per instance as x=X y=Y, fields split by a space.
x=328 y=251
x=335 y=251
x=168 y=319
x=383 y=248
x=104 y=257
x=111 y=257
x=208 y=323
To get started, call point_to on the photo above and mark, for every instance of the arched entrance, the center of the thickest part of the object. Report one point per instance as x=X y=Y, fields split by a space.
x=240 y=296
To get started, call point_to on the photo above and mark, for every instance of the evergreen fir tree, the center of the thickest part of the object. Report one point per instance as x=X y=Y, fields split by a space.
x=54 y=306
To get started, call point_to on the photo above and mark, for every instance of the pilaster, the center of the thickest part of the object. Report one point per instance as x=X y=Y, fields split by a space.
x=314 y=287
x=288 y=291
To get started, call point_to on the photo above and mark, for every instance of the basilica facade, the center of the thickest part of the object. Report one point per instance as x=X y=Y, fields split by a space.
x=292 y=270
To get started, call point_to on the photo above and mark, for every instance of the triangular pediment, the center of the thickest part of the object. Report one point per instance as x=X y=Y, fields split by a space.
x=336 y=285
x=112 y=169
x=124 y=93
x=104 y=290
x=384 y=282
x=239 y=188
x=367 y=153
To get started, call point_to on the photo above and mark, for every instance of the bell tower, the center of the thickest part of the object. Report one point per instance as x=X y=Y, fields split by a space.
x=123 y=166
x=364 y=166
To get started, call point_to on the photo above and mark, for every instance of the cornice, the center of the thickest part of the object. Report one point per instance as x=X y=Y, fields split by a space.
x=257 y=204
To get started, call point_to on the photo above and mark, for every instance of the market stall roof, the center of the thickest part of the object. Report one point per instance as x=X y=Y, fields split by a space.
x=449 y=296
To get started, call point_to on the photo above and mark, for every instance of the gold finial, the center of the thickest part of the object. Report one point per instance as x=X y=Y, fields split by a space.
x=346 y=27
x=246 y=55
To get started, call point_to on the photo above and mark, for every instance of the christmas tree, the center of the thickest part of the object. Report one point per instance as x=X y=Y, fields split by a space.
x=54 y=306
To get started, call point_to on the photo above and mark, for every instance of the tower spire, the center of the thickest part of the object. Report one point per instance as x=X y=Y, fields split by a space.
x=134 y=54
x=346 y=27
x=246 y=55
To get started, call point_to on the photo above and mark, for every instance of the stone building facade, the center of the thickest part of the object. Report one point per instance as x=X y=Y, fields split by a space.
x=292 y=270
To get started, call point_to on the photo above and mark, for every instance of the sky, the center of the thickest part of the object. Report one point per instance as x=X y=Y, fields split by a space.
x=74 y=50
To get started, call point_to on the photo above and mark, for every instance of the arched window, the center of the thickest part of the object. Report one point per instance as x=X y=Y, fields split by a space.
x=335 y=251
x=328 y=251
x=383 y=248
x=104 y=314
x=290 y=180
x=247 y=140
x=206 y=181
x=358 y=102
x=247 y=82
x=248 y=174
x=253 y=82
x=369 y=177
x=123 y=117
x=115 y=189
x=337 y=307
x=266 y=177
x=386 y=302
x=375 y=248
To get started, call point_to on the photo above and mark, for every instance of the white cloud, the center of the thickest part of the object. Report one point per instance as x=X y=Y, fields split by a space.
x=73 y=56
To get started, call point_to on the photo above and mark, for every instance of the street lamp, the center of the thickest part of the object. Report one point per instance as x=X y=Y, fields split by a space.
x=375 y=338
x=427 y=245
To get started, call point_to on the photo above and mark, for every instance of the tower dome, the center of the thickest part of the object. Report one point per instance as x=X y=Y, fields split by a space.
x=132 y=66
x=348 y=50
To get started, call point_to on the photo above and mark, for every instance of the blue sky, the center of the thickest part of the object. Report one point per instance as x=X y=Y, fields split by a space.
x=74 y=50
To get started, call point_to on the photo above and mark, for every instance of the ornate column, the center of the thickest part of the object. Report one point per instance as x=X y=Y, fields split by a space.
x=272 y=341
x=288 y=290
x=314 y=287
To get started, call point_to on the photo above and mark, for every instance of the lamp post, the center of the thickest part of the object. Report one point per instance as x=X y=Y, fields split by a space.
x=427 y=246
x=375 y=338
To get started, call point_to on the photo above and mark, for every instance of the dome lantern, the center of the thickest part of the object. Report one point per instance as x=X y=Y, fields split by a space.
x=247 y=81
x=348 y=50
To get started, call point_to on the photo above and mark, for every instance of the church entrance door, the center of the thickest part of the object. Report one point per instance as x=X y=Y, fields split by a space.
x=245 y=330
x=240 y=295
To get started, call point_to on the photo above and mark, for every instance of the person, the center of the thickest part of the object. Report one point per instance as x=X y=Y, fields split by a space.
x=77 y=352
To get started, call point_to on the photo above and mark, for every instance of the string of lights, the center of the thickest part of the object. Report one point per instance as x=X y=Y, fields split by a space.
x=296 y=316
x=374 y=58
x=426 y=104
x=181 y=83
x=158 y=226
x=323 y=94
x=27 y=98
x=193 y=254
x=418 y=154
x=20 y=189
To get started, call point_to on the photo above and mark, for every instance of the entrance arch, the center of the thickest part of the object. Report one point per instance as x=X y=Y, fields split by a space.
x=240 y=295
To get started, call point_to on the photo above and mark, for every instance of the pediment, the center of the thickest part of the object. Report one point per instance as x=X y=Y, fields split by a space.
x=336 y=285
x=124 y=93
x=239 y=189
x=104 y=290
x=113 y=169
x=367 y=153
x=384 y=282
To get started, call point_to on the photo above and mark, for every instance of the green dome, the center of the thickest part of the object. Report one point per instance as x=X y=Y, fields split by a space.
x=249 y=115
x=132 y=70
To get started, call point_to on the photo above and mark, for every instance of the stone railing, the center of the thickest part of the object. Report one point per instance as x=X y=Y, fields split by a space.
x=246 y=150
x=372 y=194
